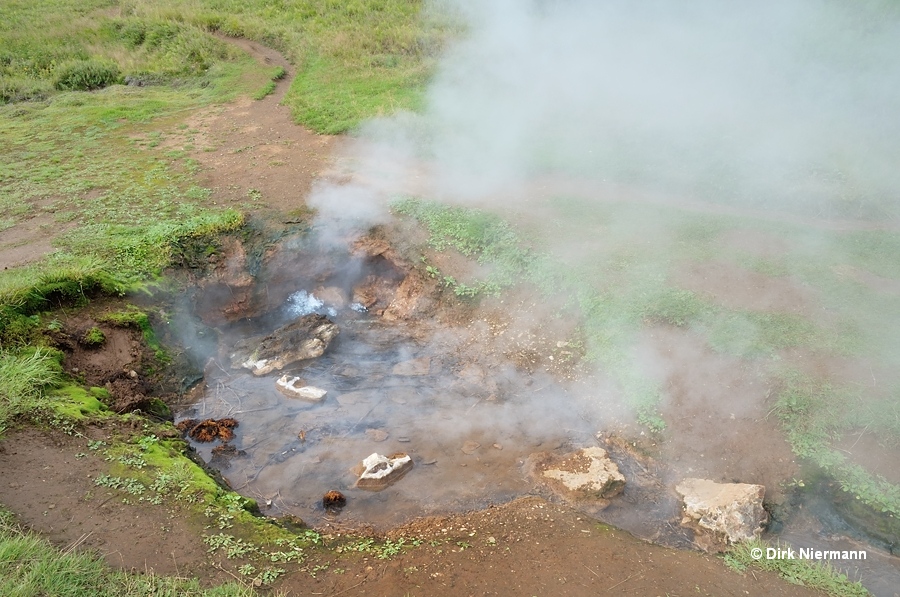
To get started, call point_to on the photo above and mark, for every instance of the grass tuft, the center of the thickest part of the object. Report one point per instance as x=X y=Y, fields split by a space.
x=24 y=377
x=815 y=575
x=29 y=565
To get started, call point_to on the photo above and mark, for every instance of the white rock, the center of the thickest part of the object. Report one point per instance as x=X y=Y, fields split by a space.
x=292 y=388
x=381 y=471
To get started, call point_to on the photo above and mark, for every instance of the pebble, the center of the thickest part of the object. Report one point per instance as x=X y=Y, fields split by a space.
x=469 y=447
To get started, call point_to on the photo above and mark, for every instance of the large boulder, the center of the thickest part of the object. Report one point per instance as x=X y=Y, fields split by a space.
x=585 y=476
x=304 y=338
x=722 y=513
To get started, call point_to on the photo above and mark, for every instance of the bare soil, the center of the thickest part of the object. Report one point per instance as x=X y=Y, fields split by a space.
x=251 y=151
x=527 y=547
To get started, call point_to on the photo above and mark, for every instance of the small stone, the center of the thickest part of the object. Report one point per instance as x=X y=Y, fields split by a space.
x=382 y=471
x=293 y=387
x=377 y=435
x=497 y=446
x=132 y=374
x=470 y=447
x=420 y=366
x=331 y=296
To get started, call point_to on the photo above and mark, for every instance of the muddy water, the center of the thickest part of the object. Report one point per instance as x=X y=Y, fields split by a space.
x=392 y=387
x=468 y=422
x=386 y=395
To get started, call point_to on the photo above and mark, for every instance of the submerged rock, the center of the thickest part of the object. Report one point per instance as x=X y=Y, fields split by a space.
x=413 y=367
x=334 y=500
x=305 y=338
x=380 y=471
x=377 y=435
x=295 y=387
x=586 y=475
x=208 y=430
x=722 y=513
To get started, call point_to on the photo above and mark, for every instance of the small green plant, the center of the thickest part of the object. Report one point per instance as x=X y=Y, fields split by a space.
x=265 y=90
x=128 y=485
x=93 y=337
x=247 y=570
x=86 y=75
x=230 y=545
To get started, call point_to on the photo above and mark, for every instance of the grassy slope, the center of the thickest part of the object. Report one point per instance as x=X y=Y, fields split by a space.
x=356 y=59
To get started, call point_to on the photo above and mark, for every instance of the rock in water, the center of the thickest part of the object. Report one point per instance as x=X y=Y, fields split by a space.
x=585 y=476
x=380 y=471
x=304 y=338
x=726 y=512
x=413 y=367
x=294 y=387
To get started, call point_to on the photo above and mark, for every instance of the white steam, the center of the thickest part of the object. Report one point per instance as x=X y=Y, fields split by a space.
x=777 y=104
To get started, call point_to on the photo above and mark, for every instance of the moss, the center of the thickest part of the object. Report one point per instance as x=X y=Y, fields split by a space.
x=134 y=317
x=93 y=337
x=159 y=409
x=880 y=525
x=75 y=402
x=17 y=329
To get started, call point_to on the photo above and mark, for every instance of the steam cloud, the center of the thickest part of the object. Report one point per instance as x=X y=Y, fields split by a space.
x=773 y=104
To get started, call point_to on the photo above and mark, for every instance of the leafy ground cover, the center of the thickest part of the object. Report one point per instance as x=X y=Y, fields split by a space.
x=801 y=572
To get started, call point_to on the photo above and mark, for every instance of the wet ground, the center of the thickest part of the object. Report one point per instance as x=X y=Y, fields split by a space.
x=392 y=387
x=469 y=417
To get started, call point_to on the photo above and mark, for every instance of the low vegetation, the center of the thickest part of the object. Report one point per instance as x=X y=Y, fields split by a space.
x=29 y=565
x=815 y=575
x=815 y=414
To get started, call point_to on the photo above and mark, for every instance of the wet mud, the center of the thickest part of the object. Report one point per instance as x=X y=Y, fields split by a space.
x=469 y=415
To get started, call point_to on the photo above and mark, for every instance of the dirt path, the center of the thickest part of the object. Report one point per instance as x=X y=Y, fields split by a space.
x=250 y=151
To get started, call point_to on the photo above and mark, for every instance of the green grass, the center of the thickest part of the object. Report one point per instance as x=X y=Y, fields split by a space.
x=355 y=59
x=816 y=413
x=820 y=576
x=24 y=376
x=29 y=565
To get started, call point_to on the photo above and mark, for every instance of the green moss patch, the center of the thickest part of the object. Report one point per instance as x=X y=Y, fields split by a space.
x=76 y=403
